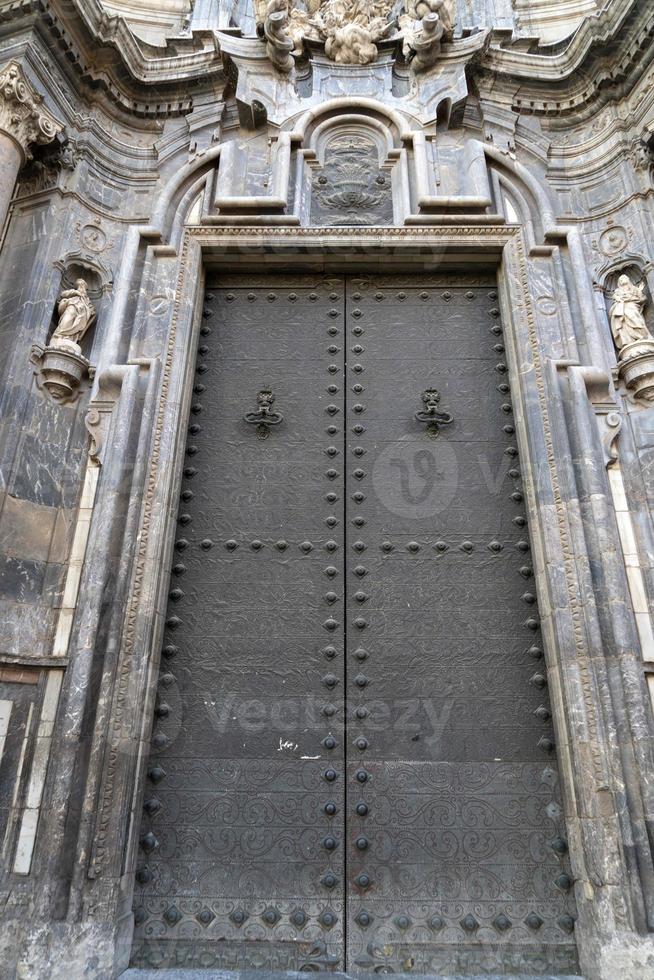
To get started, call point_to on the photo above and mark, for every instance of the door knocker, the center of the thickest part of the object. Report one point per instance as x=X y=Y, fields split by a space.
x=264 y=418
x=430 y=415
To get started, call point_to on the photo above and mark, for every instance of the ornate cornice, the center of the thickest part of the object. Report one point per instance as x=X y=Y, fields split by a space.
x=22 y=114
x=605 y=57
x=155 y=82
x=143 y=79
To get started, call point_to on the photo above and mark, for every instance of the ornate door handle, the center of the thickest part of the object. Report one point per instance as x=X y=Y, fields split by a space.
x=264 y=417
x=430 y=414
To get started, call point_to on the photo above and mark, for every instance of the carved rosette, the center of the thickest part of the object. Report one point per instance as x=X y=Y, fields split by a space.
x=22 y=114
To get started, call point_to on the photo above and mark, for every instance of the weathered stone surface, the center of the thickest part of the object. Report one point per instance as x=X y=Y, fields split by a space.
x=265 y=975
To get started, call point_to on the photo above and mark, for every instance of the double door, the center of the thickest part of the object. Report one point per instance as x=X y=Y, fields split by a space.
x=353 y=763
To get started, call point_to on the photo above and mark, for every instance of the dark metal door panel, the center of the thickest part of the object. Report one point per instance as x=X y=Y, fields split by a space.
x=394 y=808
x=452 y=804
x=242 y=857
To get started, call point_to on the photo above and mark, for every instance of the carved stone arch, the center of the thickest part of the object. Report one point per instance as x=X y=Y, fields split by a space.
x=515 y=200
x=352 y=163
x=191 y=205
x=352 y=125
x=74 y=265
x=335 y=109
x=627 y=263
x=171 y=205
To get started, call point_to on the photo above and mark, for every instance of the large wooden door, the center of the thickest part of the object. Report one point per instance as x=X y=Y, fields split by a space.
x=353 y=764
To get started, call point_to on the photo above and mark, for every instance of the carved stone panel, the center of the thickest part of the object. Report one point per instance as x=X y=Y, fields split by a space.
x=351 y=189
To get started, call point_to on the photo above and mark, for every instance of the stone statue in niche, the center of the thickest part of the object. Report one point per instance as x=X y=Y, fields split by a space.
x=351 y=29
x=60 y=367
x=633 y=339
x=76 y=314
x=351 y=189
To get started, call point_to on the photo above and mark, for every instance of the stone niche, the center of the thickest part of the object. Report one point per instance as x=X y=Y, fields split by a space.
x=62 y=368
x=351 y=188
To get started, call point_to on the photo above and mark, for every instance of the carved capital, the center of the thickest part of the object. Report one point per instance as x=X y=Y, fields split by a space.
x=22 y=114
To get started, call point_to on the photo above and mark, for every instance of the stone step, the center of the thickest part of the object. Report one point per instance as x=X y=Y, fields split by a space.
x=267 y=975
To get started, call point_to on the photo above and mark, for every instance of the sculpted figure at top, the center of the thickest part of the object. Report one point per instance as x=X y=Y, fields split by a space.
x=627 y=321
x=76 y=314
x=350 y=29
x=417 y=9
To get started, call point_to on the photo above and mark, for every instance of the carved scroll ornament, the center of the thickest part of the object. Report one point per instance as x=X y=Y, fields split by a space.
x=22 y=114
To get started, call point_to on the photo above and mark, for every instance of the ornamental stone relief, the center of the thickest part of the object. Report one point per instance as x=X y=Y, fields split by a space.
x=351 y=189
x=351 y=31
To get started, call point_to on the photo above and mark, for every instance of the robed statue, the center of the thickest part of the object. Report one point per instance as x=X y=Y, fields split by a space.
x=76 y=314
x=626 y=313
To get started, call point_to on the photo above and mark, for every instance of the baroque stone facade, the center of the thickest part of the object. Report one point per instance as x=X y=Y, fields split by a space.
x=422 y=137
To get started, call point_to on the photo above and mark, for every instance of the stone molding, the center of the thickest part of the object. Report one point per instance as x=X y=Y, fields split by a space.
x=563 y=78
x=22 y=114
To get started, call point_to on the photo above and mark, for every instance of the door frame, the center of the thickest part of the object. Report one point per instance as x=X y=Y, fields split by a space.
x=594 y=766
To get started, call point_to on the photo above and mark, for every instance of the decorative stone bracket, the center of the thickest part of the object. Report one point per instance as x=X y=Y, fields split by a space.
x=636 y=369
x=60 y=368
x=607 y=411
x=101 y=410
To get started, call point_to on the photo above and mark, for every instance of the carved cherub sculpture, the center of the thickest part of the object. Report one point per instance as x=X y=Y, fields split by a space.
x=351 y=28
x=627 y=321
x=76 y=314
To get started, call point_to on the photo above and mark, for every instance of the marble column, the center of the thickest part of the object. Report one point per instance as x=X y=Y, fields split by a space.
x=24 y=122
